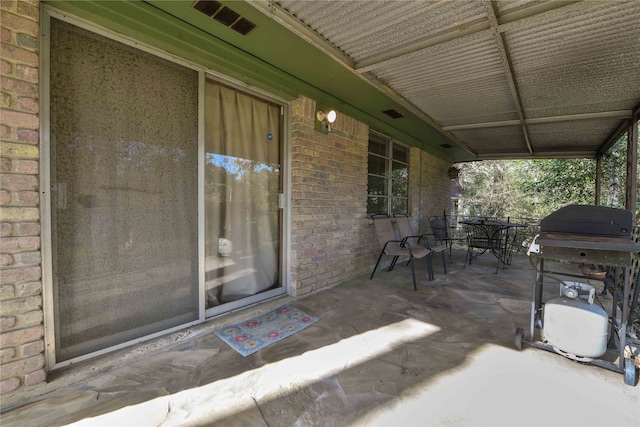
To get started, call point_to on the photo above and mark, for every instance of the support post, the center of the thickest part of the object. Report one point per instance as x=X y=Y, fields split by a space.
x=631 y=198
x=598 y=179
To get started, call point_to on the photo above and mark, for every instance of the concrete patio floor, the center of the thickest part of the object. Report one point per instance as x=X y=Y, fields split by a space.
x=380 y=354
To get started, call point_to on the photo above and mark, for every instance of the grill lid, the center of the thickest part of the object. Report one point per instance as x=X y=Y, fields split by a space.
x=589 y=220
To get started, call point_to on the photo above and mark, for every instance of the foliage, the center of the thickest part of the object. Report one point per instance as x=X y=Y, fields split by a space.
x=613 y=174
x=535 y=188
x=487 y=189
x=559 y=182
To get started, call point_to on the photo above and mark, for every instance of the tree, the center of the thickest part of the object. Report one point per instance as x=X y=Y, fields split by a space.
x=560 y=182
x=613 y=181
x=535 y=188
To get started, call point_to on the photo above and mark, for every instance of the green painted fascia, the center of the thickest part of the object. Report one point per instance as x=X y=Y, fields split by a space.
x=150 y=26
x=270 y=58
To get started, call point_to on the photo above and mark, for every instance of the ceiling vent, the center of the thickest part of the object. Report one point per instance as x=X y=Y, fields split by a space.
x=446 y=145
x=394 y=114
x=209 y=8
x=226 y=16
x=243 y=26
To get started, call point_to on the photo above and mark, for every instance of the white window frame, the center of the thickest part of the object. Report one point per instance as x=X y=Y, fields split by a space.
x=388 y=174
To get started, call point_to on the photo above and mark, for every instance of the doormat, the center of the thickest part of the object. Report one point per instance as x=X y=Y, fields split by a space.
x=250 y=336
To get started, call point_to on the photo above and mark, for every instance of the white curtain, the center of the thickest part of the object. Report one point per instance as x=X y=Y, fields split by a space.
x=242 y=134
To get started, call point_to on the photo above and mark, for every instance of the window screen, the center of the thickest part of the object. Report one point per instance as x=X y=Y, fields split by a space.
x=388 y=176
x=124 y=170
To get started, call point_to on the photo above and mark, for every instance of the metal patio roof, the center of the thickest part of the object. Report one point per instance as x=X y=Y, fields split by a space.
x=501 y=79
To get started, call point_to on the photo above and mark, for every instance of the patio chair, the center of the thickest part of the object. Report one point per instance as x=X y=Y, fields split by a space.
x=481 y=239
x=393 y=246
x=406 y=231
x=520 y=240
x=442 y=232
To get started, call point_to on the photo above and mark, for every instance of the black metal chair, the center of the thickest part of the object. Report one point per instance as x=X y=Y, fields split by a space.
x=482 y=238
x=442 y=232
x=520 y=239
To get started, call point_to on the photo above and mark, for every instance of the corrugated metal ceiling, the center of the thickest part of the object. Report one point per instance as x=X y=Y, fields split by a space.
x=482 y=69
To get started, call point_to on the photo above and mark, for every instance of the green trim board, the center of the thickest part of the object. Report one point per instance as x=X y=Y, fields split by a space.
x=270 y=57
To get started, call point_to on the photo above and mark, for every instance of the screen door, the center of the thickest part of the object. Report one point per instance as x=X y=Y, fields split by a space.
x=124 y=192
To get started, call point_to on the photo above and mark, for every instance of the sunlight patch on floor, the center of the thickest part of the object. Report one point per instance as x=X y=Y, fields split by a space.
x=223 y=398
x=502 y=387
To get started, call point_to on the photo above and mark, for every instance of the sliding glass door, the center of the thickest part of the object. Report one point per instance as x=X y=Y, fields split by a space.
x=242 y=188
x=124 y=192
x=165 y=194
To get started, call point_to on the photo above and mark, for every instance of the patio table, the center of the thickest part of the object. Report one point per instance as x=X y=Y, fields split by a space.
x=489 y=235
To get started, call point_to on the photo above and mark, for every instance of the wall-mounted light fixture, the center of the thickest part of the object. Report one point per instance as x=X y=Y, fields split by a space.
x=326 y=119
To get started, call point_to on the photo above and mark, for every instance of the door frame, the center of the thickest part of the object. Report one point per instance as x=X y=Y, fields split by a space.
x=47 y=13
x=284 y=198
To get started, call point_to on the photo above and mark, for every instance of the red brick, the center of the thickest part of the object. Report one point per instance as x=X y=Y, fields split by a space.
x=33 y=348
x=6 y=229
x=16 y=54
x=28 y=135
x=5 y=35
x=8 y=5
x=19 y=119
x=5 y=197
x=27 y=166
x=6 y=260
x=35 y=377
x=16 y=22
x=21 y=336
x=20 y=275
x=26 y=9
x=17 y=182
x=19 y=86
x=29 y=105
x=22 y=367
x=28 y=229
x=26 y=72
x=19 y=244
x=26 y=198
x=9 y=385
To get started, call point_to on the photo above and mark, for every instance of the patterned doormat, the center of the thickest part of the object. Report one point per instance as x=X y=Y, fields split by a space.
x=250 y=336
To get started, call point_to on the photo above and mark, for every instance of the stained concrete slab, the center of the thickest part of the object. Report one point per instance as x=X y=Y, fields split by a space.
x=380 y=354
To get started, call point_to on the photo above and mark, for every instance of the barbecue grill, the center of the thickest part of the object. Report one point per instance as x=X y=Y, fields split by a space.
x=597 y=243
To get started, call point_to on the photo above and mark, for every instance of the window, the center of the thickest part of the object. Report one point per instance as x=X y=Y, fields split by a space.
x=388 y=181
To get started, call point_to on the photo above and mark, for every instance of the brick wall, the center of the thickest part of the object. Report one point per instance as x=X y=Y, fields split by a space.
x=331 y=238
x=21 y=317
x=430 y=188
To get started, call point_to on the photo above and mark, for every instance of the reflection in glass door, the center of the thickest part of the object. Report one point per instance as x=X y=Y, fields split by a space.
x=242 y=187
